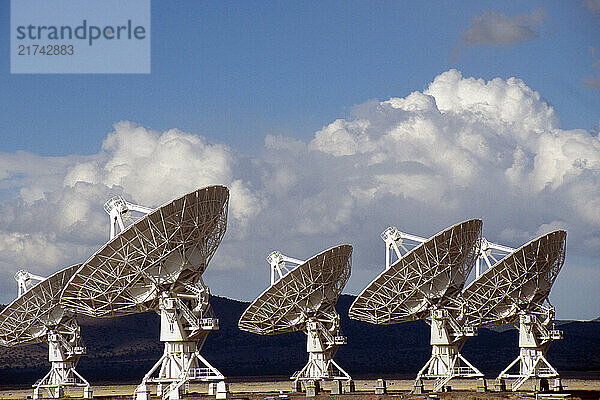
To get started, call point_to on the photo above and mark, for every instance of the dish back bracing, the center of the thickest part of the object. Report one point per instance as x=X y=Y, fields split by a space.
x=37 y=316
x=310 y=288
x=25 y=320
x=515 y=290
x=304 y=300
x=165 y=250
x=519 y=282
x=431 y=274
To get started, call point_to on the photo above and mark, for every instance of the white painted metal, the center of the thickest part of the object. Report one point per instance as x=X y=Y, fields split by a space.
x=490 y=251
x=423 y=284
x=36 y=316
x=279 y=268
x=322 y=341
x=119 y=210
x=156 y=264
x=536 y=332
x=185 y=324
x=515 y=291
x=64 y=349
x=447 y=339
x=303 y=298
x=26 y=280
x=394 y=240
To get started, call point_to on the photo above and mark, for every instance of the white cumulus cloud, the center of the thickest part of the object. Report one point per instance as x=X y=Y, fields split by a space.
x=460 y=149
x=53 y=215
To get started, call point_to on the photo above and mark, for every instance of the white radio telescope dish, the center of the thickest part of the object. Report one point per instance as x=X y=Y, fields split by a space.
x=423 y=284
x=156 y=263
x=36 y=316
x=303 y=298
x=515 y=291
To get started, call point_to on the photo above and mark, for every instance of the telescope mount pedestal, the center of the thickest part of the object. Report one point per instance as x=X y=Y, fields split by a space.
x=536 y=332
x=183 y=328
x=446 y=362
x=321 y=345
x=64 y=350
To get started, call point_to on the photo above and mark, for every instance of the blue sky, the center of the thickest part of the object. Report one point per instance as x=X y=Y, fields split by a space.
x=287 y=104
x=233 y=71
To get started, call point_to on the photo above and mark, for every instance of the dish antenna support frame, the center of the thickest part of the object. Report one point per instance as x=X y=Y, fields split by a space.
x=322 y=332
x=119 y=210
x=279 y=269
x=394 y=240
x=536 y=333
x=447 y=336
x=322 y=342
x=64 y=349
x=186 y=319
x=486 y=252
x=26 y=280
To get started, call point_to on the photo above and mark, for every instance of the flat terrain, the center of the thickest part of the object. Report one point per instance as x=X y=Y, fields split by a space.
x=400 y=389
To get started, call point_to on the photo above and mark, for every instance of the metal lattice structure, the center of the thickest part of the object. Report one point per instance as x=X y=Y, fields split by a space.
x=424 y=283
x=156 y=263
x=36 y=316
x=515 y=291
x=119 y=211
x=429 y=275
x=516 y=283
x=26 y=320
x=303 y=299
x=163 y=251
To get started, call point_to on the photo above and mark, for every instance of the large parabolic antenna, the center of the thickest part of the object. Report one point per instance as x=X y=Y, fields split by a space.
x=156 y=263
x=303 y=298
x=36 y=316
x=515 y=290
x=424 y=283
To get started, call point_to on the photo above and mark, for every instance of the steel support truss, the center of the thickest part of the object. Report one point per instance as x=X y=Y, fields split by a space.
x=119 y=210
x=322 y=342
x=322 y=332
x=302 y=296
x=64 y=350
x=446 y=362
x=536 y=333
x=186 y=319
x=447 y=334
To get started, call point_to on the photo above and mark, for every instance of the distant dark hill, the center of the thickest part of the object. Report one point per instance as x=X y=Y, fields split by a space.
x=123 y=349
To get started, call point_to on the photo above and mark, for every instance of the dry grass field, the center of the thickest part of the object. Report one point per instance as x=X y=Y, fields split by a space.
x=398 y=389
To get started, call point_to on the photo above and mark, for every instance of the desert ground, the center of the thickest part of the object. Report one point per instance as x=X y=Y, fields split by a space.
x=461 y=390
